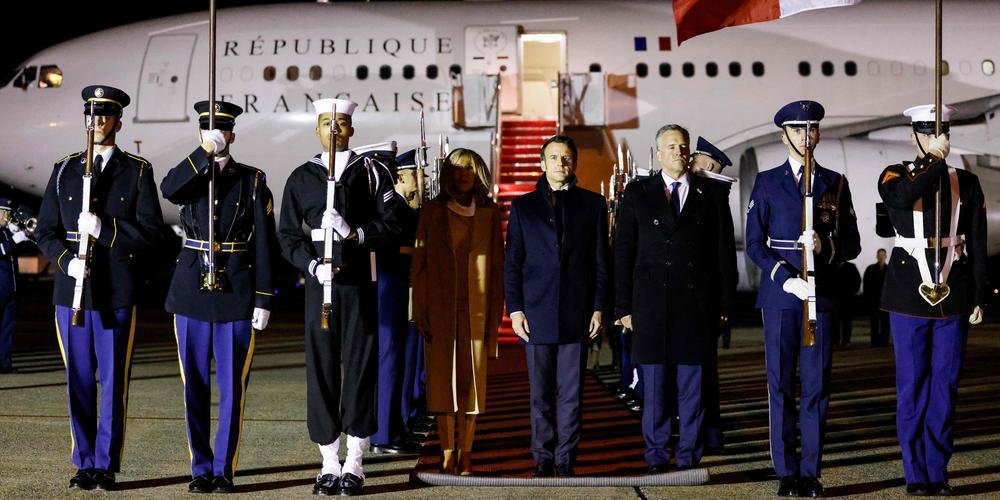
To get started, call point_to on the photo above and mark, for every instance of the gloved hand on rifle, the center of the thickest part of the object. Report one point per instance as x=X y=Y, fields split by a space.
x=333 y=220
x=799 y=288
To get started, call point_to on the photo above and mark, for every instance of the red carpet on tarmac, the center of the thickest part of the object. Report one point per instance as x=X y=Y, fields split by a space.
x=611 y=444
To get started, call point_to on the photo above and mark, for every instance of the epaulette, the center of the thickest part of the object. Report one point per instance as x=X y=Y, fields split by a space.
x=70 y=156
x=142 y=161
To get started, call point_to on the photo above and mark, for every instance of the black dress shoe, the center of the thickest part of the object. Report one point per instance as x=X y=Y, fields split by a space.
x=201 y=484
x=82 y=480
x=223 y=484
x=326 y=484
x=942 y=489
x=350 y=485
x=543 y=469
x=810 y=487
x=565 y=470
x=656 y=469
x=788 y=487
x=634 y=406
x=396 y=448
x=918 y=490
x=103 y=480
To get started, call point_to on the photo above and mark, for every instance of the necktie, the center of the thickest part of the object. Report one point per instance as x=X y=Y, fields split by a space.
x=675 y=198
x=98 y=163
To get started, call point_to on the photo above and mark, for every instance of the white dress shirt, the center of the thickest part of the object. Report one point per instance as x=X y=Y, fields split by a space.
x=682 y=190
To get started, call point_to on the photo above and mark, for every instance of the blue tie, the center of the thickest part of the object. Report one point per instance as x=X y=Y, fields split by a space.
x=675 y=199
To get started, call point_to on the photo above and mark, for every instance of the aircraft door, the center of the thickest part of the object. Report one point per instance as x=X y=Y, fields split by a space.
x=492 y=50
x=162 y=93
x=582 y=99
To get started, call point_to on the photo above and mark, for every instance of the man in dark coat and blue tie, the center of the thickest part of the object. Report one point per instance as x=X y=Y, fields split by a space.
x=554 y=280
x=775 y=241
x=675 y=281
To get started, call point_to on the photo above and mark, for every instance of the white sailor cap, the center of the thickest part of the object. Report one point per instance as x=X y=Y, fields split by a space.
x=337 y=106
x=922 y=118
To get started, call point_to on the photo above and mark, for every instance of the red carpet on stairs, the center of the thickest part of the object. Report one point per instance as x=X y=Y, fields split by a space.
x=520 y=141
x=611 y=444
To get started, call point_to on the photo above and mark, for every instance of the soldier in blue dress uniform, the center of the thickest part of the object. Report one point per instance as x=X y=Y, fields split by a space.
x=124 y=219
x=394 y=328
x=366 y=218
x=774 y=240
x=10 y=236
x=219 y=323
x=929 y=326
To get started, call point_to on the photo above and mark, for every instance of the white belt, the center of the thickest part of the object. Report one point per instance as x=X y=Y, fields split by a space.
x=928 y=243
x=784 y=244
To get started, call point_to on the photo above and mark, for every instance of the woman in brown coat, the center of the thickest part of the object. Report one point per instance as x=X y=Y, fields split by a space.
x=457 y=278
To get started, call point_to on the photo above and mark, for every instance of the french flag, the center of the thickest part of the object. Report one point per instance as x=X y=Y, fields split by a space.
x=695 y=17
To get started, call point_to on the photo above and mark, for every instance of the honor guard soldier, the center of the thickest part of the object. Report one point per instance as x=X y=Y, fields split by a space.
x=218 y=320
x=364 y=218
x=707 y=159
x=96 y=345
x=930 y=312
x=394 y=327
x=10 y=236
x=775 y=240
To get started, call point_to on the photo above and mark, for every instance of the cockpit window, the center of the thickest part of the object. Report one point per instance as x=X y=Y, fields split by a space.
x=26 y=77
x=50 y=77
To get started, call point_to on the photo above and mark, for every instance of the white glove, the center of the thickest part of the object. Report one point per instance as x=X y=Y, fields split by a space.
x=333 y=220
x=940 y=145
x=217 y=139
x=18 y=236
x=324 y=273
x=76 y=269
x=88 y=223
x=798 y=287
x=808 y=240
x=977 y=316
x=260 y=317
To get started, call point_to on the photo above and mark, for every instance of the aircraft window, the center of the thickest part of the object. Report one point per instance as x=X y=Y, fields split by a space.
x=26 y=77
x=385 y=72
x=988 y=67
x=945 y=68
x=805 y=68
x=432 y=71
x=362 y=72
x=827 y=68
x=757 y=68
x=665 y=70
x=315 y=73
x=735 y=69
x=712 y=69
x=641 y=70
x=292 y=73
x=408 y=72
x=595 y=67
x=454 y=70
x=688 y=69
x=873 y=68
x=269 y=73
x=51 y=77
x=851 y=68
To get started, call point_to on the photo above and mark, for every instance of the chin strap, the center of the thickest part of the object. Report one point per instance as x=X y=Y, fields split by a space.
x=792 y=143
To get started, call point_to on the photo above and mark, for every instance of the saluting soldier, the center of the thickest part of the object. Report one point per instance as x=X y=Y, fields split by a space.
x=124 y=218
x=219 y=322
x=774 y=240
x=365 y=219
x=394 y=328
x=929 y=323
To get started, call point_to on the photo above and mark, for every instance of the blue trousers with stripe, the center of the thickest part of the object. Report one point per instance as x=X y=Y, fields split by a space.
x=413 y=373
x=101 y=347
x=231 y=344
x=783 y=350
x=392 y=330
x=929 y=356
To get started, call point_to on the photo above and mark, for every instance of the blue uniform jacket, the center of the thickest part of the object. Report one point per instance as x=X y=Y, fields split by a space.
x=557 y=284
x=775 y=212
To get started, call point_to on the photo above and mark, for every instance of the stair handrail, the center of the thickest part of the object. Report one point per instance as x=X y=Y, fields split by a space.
x=495 y=142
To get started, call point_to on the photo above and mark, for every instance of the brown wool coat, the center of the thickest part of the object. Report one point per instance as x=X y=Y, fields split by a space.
x=433 y=276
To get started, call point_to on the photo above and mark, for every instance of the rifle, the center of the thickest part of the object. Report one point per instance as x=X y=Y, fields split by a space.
x=329 y=234
x=422 y=162
x=808 y=260
x=84 y=249
x=211 y=280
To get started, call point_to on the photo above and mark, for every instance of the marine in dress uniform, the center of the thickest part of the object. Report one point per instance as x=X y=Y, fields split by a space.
x=929 y=331
x=10 y=236
x=394 y=327
x=556 y=282
x=366 y=218
x=124 y=219
x=674 y=253
x=774 y=240
x=219 y=324
x=707 y=160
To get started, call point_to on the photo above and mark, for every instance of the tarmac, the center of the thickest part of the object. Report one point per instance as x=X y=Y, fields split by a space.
x=277 y=460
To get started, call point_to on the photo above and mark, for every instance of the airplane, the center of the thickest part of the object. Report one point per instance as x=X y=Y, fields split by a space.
x=605 y=72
